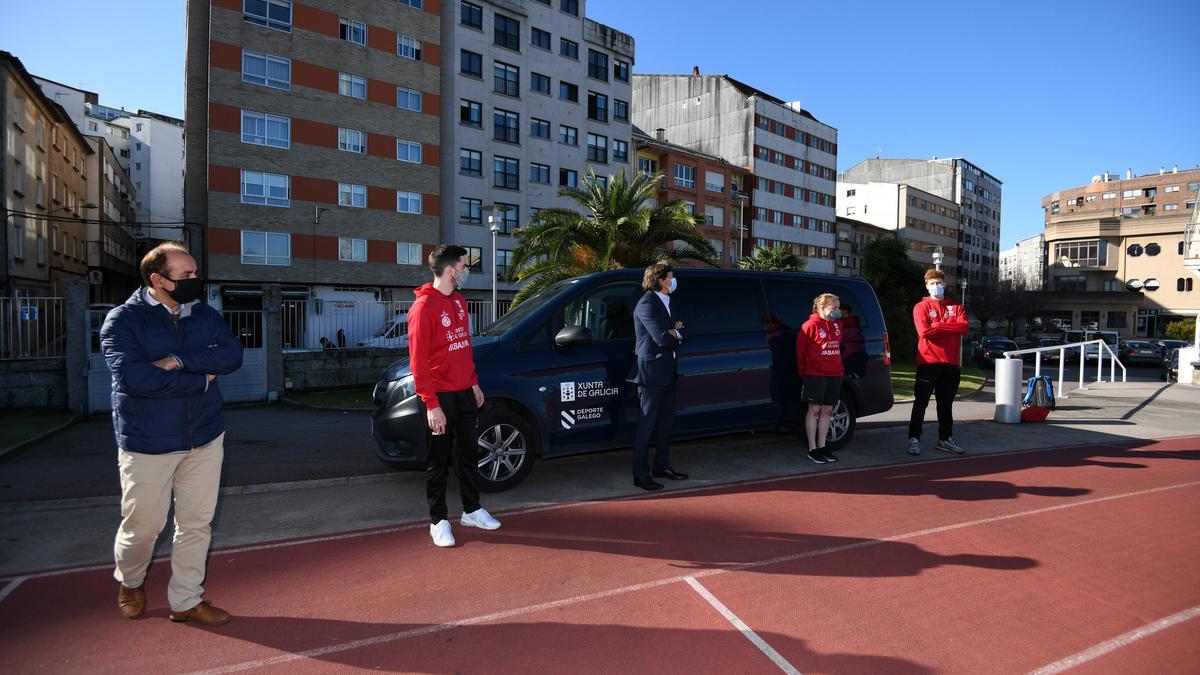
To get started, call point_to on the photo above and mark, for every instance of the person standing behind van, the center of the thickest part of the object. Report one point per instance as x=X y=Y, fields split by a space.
x=657 y=336
x=940 y=322
x=443 y=369
x=819 y=362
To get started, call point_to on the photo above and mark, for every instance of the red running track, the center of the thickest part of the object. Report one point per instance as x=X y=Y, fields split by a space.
x=1078 y=557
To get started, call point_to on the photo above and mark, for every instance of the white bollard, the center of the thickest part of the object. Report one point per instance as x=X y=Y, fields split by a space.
x=1186 y=372
x=1008 y=390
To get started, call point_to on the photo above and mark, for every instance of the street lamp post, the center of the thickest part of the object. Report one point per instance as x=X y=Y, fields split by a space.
x=937 y=257
x=740 y=198
x=495 y=218
x=963 y=283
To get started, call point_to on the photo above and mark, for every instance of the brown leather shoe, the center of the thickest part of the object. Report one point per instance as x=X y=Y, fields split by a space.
x=131 y=601
x=204 y=614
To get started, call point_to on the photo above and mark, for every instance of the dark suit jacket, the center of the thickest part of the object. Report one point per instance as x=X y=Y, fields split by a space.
x=655 y=346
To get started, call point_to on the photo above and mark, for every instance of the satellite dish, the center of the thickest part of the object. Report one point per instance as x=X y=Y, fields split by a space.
x=1151 y=285
x=1134 y=284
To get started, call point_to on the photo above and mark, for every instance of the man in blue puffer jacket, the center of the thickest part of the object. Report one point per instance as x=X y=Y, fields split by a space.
x=165 y=348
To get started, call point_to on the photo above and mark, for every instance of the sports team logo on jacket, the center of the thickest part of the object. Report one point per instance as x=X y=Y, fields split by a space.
x=461 y=312
x=446 y=319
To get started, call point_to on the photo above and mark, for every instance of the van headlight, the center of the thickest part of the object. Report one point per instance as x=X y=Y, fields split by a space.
x=406 y=387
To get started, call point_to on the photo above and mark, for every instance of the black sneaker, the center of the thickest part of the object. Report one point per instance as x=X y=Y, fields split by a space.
x=828 y=455
x=816 y=456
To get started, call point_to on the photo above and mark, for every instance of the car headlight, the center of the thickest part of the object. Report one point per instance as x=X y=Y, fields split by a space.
x=406 y=387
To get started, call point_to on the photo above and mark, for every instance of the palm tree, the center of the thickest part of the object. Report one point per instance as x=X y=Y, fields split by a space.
x=617 y=226
x=776 y=259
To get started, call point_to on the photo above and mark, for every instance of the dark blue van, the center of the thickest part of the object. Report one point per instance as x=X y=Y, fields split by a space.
x=553 y=369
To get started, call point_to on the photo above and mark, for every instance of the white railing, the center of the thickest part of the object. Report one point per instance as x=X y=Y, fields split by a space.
x=32 y=328
x=315 y=324
x=1081 y=348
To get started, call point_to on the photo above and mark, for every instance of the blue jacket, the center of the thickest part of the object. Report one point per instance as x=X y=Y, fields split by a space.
x=655 y=346
x=156 y=411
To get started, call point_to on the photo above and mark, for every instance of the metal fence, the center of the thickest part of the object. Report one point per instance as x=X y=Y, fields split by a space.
x=32 y=328
x=314 y=324
x=247 y=325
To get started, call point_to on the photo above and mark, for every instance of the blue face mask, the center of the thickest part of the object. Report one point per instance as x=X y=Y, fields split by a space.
x=937 y=290
x=673 y=285
x=835 y=314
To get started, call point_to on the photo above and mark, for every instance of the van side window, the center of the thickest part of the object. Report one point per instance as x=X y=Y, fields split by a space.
x=791 y=301
x=607 y=312
x=719 y=305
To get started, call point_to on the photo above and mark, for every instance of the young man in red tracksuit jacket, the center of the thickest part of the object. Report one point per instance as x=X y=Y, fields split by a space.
x=819 y=362
x=443 y=368
x=940 y=324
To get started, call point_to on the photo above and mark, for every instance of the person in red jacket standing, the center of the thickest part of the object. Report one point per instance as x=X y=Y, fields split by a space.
x=940 y=323
x=443 y=369
x=819 y=362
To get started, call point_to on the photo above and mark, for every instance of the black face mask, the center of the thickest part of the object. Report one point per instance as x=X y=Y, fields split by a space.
x=186 y=290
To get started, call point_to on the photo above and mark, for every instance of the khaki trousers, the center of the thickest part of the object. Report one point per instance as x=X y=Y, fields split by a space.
x=147 y=482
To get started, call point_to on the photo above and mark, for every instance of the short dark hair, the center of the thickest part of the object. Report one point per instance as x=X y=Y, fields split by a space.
x=654 y=274
x=930 y=275
x=443 y=256
x=155 y=261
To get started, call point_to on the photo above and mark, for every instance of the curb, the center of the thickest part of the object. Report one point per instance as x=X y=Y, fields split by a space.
x=300 y=404
x=17 y=447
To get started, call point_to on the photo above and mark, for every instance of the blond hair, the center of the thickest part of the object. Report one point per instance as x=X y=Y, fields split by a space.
x=823 y=300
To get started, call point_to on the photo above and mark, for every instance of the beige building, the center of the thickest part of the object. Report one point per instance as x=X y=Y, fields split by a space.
x=853 y=237
x=926 y=223
x=112 y=247
x=1115 y=253
x=44 y=180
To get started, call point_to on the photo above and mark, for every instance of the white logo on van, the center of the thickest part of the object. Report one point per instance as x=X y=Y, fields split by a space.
x=566 y=392
x=568 y=420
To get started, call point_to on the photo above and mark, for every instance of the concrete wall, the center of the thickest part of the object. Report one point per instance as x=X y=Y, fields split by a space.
x=337 y=368
x=39 y=383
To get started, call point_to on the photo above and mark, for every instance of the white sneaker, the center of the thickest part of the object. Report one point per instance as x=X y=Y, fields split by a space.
x=481 y=519
x=914 y=446
x=442 y=536
x=949 y=445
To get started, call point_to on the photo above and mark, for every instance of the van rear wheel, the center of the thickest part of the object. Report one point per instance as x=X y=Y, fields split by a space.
x=506 y=448
x=842 y=424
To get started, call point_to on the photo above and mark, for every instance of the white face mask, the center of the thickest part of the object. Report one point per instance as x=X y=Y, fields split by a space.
x=673 y=285
x=937 y=290
x=461 y=279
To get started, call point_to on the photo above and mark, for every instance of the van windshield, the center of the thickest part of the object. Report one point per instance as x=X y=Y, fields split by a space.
x=527 y=307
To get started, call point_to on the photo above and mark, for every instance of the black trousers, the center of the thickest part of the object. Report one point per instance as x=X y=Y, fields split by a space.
x=462 y=418
x=941 y=380
x=658 y=414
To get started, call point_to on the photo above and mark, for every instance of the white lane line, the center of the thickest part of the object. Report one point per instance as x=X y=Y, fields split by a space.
x=750 y=635
x=691 y=491
x=1118 y=642
x=10 y=587
x=508 y=614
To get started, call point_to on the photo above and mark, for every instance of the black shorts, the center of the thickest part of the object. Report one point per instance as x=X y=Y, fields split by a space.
x=822 y=390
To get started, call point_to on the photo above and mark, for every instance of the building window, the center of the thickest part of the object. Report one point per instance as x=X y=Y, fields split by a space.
x=539 y=38
x=266 y=70
x=506 y=126
x=568 y=135
x=505 y=173
x=568 y=48
x=568 y=92
x=408 y=47
x=685 y=176
x=597 y=148
x=275 y=14
x=1112 y=285
x=507 y=33
x=415 y=4
x=620 y=151
x=1073 y=283
x=408 y=99
x=1093 y=253
x=504 y=261
x=539 y=83
x=408 y=202
x=569 y=6
x=408 y=254
x=539 y=128
x=408 y=151
x=470 y=15
x=352 y=140
x=620 y=70
x=597 y=65
x=1170 y=207
x=470 y=211
x=539 y=173
x=353 y=31
x=620 y=110
x=470 y=63
x=509 y=217
x=470 y=162
x=1153 y=249
x=470 y=113
x=266 y=248
x=352 y=85
x=647 y=166
x=352 y=250
x=267 y=189
x=354 y=196
x=507 y=79
x=568 y=178
x=263 y=129
x=474 y=258
x=597 y=107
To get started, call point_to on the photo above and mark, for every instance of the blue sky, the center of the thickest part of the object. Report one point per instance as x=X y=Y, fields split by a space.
x=1042 y=95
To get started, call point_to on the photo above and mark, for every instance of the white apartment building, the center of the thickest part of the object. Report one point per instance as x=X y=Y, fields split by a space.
x=926 y=223
x=1025 y=262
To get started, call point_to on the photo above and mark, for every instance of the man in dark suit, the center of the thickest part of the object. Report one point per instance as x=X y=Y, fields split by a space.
x=658 y=336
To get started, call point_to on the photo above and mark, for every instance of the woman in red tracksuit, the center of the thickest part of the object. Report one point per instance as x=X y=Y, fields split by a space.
x=819 y=362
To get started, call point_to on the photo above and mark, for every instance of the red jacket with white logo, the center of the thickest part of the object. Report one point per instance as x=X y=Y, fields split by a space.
x=939 y=324
x=439 y=344
x=819 y=348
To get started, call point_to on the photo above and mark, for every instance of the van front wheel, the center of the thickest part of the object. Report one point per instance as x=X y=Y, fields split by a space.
x=842 y=424
x=506 y=448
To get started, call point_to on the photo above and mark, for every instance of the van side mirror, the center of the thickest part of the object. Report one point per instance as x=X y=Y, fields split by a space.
x=573 y=336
